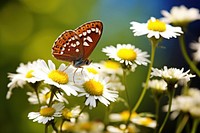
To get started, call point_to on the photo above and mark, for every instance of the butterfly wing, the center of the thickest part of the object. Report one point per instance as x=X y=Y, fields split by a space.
x=68 y=47
x=89 y=33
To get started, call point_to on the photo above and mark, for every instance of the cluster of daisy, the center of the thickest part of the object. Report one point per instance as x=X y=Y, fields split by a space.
x=52 y=87
x=187 y=103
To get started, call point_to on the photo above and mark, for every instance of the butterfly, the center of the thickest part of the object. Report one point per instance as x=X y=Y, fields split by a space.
x=75 y=46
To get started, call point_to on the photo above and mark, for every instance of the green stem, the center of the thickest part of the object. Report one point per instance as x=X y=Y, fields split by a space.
x=182 y=123
x=124 y=82
x=82 y=110
x=35 y=87
x=61 y=125
x=106 y=120
x=171 y=95
x=195 y=125
x=153 y=49
x=53 y=91
x=127 y=96
x=36 y=92
x=157 y=104
x=54 y=127
x=187 y=58
x=46 y=128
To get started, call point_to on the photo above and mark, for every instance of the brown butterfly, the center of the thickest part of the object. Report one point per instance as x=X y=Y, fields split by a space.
x=75 y=46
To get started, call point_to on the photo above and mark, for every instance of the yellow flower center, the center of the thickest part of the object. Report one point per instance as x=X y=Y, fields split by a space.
x=92 y=70
x=66 y=113
x=146 y=121
x=111 y=64
x=93 y=87
x=127 y=54
x=48 y=111
x=58 y=76
x=29 y=74
x=156 y=25
x=125 y=115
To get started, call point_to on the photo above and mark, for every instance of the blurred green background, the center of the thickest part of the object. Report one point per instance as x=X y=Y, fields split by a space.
x=28 y=29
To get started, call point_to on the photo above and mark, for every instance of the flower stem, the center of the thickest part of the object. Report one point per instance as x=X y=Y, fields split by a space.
x=195 y=125
x=53 y=91
x=187 y=58
x=153 y=49
x=124 y=82
x=35 y=86
x=46 y=128
x=82 y=110
x=182 y=123
x=61 y=125
x=157 y=104
x=171 y=95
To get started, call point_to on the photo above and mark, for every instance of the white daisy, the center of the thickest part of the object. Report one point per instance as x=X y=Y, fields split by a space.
x=185 y=103
x=144 y=121
x=172 y=75
x=93 y=68
x=135 y=118
x=44 y=96
x=94 y=88
x=180 y=15
x=24 y=75
x=122 y=116
x=157 y=85
x=195 y=112
x=110 y=67
x=61 y=78
x=196 y=47
x=122 y=128
x=47 y=113
x=71 y=114
x=155 y=28
x=89 y=127
x=127 y=54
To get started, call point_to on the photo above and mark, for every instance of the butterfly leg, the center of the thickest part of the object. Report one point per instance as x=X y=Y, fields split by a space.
x=66 y=67
x=74 y=74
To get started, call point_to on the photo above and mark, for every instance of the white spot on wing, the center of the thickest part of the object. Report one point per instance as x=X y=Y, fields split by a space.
x=68 y=49
x=73 y=45
x=88 y=31
x=73 y=38
x=61 y=52
x=77 y=50
x=89 y=39
x=93 y=29
x=63 y=49
x=85 y=44
x=76 y=37
x=84 y=33
x=80 y=35
x=97 y=30
x=77 y=43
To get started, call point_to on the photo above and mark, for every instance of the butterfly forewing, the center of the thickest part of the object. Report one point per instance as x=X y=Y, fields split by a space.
x=68 y=47
x=89 y=34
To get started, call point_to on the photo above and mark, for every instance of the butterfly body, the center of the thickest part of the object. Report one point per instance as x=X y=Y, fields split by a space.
x=75 y=46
